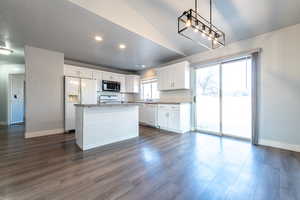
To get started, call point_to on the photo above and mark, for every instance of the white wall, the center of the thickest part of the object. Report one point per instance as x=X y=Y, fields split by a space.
x=278 y=83
x=44 y=92
x=5 y=70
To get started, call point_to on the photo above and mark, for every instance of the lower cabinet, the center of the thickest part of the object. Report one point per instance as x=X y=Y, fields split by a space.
x=148 y=114
x=174 y=117
x=170 y=117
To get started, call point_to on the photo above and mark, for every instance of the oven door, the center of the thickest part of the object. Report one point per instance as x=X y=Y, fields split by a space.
x=111 y=86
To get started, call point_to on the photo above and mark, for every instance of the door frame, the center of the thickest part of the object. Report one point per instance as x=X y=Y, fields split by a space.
x=253 y=98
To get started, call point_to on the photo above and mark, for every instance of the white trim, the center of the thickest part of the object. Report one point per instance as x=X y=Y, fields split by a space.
x=280 y=145
x=43 y=133
x=226 y=58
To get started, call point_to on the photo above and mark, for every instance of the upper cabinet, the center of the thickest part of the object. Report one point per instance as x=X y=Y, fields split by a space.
x=132 y=83
x=70 y=70
x=109 y=76
x=174 y=77
x=129 y=83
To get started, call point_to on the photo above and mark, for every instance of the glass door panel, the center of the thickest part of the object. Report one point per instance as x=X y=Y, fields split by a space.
x=236 y=98
x=208 y=99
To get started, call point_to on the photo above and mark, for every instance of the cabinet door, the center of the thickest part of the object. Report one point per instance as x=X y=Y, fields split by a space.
x=142 y=117
x=180 y=76
x=136 y=84
x=107 y=76
x=132 y=84
x=88 y=91
x=160 y=79
x=151 y=113
x=97 y=75
x=174 y=120
x=72 y=71
x=163 y=118
x=121 y=80
x=164 y=79
x=86 y=73
x=72 y=86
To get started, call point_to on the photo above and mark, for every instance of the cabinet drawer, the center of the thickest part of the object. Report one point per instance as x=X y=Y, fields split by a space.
x=169 y=106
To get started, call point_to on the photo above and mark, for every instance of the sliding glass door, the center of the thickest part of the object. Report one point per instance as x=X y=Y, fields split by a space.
x=208 y=99
x=223 y=103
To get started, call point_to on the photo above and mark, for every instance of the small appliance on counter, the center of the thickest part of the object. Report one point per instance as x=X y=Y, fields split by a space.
x=109 y=99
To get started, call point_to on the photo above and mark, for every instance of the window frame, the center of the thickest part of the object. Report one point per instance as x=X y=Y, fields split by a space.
x=149 y=81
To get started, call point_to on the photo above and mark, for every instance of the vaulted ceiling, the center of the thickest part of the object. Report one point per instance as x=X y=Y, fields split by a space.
x=148 y=27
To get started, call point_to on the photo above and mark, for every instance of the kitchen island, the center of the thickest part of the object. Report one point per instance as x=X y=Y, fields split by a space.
x=102 y=124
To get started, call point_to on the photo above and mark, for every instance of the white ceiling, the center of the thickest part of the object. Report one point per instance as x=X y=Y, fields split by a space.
x=239 y=19
x=60 y=25
x=148 y=27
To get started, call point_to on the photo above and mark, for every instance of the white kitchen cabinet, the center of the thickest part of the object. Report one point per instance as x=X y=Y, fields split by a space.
x=148 y=114
x=109 y=76
x=72 y=71
x=132 y=83
x=174 y=117
x=86 y=73
x=80 y=72
x=163 y=117
x=97 y=75
x=129 y=83
x=174 y=77
x=121 y=79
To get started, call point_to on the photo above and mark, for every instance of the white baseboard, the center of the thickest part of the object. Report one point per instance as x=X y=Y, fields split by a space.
x=280 y=145
x=44 y=133
x=3 y=123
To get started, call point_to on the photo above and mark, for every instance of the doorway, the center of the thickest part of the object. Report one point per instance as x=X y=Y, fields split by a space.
x=224 y=98
x=16 y=98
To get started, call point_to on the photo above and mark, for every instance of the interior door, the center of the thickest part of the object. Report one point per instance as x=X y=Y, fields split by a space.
x=16 y=98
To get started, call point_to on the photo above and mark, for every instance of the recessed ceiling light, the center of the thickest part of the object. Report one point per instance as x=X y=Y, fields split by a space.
x=143 y=66
x=98 y=38
x=122 y=46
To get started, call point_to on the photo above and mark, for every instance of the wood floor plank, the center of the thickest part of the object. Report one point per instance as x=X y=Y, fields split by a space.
x=157 y=165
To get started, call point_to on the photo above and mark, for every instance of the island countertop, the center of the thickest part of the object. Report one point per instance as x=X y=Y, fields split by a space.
x=107 y=104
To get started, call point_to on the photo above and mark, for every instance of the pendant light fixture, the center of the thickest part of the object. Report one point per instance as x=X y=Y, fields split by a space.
x=4 y=50
x=193 y=26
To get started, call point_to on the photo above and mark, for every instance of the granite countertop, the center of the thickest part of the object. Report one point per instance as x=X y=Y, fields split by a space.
x=108 y=104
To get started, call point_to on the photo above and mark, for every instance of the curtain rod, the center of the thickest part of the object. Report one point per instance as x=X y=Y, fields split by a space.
x=225 y=58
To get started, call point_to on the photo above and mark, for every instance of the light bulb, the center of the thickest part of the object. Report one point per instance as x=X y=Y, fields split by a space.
x=203 y=34
x=188 y=23
x=122 y=46
x=196 y=30
x=98 y=38
x=215 y=41
x=209 y=38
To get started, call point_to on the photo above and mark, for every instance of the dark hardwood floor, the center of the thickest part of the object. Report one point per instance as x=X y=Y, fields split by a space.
x=156 y=166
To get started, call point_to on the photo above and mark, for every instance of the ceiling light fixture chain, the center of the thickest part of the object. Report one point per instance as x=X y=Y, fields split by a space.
x=191 y=22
